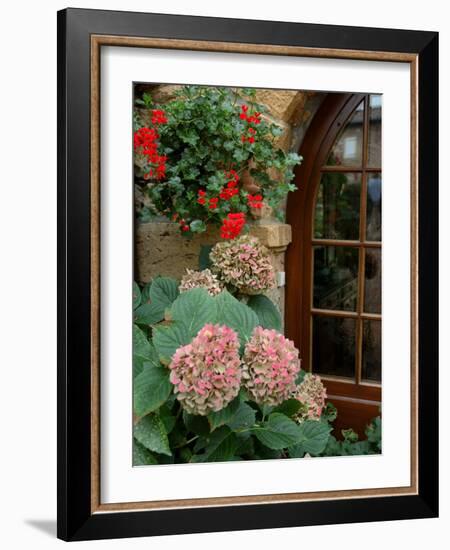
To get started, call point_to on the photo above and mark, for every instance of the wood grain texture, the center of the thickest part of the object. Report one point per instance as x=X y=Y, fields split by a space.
x=96 y=42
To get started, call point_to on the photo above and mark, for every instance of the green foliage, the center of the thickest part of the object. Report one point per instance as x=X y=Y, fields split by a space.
x=194 y=309
x=350 y=445
x=136 y=295
x=205 y=137
x=268 y=314
x=237 y=315
x=167 y=338
x=224 y=416
x=165 y=434
x=141 y=455
x=151 y=433
x=278 y=432
x=221 y=446
x=204 y=261
x=243 y=418
x=143 y=351
x=155 y=299
x=313 y=439
x=151 y=388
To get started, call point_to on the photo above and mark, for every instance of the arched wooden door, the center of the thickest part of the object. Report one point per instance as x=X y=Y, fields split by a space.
x=333 y=265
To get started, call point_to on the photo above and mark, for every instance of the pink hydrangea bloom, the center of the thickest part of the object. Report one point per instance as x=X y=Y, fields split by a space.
x=312 y=395
x=207 y=372
x=200 y=279
x=245 y=263
x=271 y=365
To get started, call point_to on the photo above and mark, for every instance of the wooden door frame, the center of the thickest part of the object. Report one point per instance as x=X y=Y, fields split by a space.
x=332 y=115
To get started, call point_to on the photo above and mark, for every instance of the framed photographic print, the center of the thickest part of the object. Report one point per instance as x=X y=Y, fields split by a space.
x=247 y=274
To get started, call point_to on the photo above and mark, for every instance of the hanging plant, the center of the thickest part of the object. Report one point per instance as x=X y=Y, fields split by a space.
x=209 y=157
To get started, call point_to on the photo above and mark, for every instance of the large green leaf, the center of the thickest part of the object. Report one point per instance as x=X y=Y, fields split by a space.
x=141 y=455
x=141 y=345
x=221 y=446
x=167 y=417
x=143 y=351
x=235 y=314
x=267 y=312
x=196 y=424
x=151 y=388
x=288 y=407
x=145 y=293
x=136 y=295
x=150 y=432
x=148 y=314
x=194 y=309
x=156 y=297
x=243 y=418
x=163 y=292
x=313 y=438
x=278 y=432
x=224 y=416
x=168 y=338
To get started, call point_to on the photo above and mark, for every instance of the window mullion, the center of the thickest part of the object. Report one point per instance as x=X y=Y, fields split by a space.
x=362 y=251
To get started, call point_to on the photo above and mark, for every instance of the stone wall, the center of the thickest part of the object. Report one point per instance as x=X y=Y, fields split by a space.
x=160 y=250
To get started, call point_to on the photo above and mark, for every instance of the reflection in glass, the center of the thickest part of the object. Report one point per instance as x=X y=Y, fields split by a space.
x=374 y=160
x=335 y=277
x=371 y=352
x=373 y=222
x=372 y=282
x=347 y=150
x=334 y=346
x=337 y=206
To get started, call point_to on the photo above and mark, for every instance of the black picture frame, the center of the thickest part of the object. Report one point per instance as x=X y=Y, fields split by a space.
x=75 y=519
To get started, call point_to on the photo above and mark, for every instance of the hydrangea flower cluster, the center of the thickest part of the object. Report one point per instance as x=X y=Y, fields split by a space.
x=200 y=279
x=312 y=395
x=271 y=365
x=244 y=263
x=207 y=372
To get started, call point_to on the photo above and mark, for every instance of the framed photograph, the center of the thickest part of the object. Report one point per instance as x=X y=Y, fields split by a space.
x=247 y=274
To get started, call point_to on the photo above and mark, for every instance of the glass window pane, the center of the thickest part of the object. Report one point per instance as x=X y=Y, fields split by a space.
x=337 y=206
x=374 y=160
x=373 y=221
x=335 y=277
x=371 y=353
x=347 y=150
x=334 y=346
x=372 y=282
